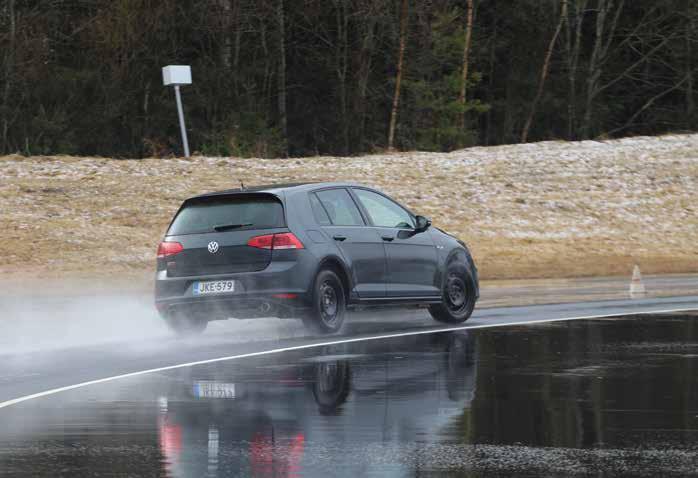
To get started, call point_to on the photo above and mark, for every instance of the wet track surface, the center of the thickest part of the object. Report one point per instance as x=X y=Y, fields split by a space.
x=43 y=369
x=609 y=397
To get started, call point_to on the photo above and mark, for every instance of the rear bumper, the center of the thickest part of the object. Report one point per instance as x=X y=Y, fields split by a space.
x=239 y=307
x=282 y=290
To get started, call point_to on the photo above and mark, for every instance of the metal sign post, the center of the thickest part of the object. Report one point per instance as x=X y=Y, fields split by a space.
x=177 y=75
x=182 y=127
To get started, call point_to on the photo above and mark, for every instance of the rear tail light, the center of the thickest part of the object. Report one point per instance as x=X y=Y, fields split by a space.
x=261 y=242
x=166 y=249
x=286 y=240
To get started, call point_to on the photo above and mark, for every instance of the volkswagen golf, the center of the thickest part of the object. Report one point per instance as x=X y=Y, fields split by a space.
x=310 y=251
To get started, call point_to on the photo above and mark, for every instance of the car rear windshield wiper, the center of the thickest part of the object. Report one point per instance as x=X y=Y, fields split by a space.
x=226 y=227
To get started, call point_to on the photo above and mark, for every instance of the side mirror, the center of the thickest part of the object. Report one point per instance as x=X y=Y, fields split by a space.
x=423 y=223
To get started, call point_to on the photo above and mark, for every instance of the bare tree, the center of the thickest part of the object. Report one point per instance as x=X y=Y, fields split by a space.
x=573 y=44
x=648 y=104
x=226 y=41
x=341 y=68
x=466 y=54
x=398 y=76
x=9 y=72
x=283 y=120
x=490 y=86
x=544 y=72
x=603 y=39
x=365 y=60
x=652 y=39
x=605 y=33
x=689 y=38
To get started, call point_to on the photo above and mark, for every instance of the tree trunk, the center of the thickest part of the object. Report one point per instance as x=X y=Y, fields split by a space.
x=398 y=76
x=690 y=102
x=364 y=73
x=598 y=56
x=573 y=48
x=594 y=71
x=283 y=120
x=341 y=58
x=268 y=78
x=237 y=20
x=9 y=72
x=466 y=54
x=226 y=42
x=544 y=73
x=490 y=87
x=236 y=51
x=511 y=97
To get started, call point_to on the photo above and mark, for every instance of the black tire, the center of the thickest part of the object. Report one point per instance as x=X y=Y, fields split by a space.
x=328 y=307
x=458 y=296
x=184 y=325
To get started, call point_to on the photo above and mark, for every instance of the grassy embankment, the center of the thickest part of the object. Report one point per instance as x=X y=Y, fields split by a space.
x=551 y=209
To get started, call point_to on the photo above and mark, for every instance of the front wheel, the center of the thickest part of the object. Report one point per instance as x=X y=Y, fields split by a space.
x=458 y=296
x=328 y=308
x=184 y=325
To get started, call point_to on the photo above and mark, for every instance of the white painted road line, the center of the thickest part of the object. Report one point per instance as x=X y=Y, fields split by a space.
x=55 y=391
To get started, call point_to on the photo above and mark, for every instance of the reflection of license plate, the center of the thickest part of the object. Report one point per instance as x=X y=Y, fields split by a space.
x=211 y=389
x=213 y=287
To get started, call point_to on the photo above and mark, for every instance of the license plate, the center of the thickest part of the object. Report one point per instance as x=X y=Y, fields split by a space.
x=212 y=389
x=213 y=287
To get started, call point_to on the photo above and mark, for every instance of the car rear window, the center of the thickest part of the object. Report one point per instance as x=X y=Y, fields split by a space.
x=228 y=213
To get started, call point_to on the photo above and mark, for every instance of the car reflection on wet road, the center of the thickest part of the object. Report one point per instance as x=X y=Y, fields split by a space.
x=608 y=396
x=272 y=419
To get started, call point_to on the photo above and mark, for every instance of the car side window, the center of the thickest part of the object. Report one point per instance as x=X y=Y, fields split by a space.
x=320 y=214
x=340 y=207
x=383 y=211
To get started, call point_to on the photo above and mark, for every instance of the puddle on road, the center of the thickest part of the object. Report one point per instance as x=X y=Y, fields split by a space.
x=590 y=397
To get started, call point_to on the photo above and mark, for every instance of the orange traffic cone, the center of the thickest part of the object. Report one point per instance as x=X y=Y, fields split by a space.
x=637 y=287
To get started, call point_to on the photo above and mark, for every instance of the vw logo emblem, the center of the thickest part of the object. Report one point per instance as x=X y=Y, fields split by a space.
x=213 y=247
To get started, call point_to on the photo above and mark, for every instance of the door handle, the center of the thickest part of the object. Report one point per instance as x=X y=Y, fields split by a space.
x=387 y=238
x=339 y=238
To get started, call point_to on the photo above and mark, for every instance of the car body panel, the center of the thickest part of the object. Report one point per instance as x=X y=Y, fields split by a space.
x=363 y=251
x=413 y=264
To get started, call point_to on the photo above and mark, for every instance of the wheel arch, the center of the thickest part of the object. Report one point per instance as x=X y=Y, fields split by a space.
x=462 y=255
x=339 y=267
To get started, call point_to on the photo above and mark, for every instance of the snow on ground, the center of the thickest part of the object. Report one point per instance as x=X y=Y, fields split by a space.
x=550 y=209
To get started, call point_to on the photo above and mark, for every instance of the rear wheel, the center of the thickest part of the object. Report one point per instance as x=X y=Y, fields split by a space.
x=328 y=308
x=458 y=296
x=185 y=325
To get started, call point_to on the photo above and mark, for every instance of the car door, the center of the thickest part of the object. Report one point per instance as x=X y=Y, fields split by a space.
x=360 y=245
x=412 y=258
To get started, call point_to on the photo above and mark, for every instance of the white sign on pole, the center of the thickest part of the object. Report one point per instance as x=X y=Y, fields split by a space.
x=177 y=75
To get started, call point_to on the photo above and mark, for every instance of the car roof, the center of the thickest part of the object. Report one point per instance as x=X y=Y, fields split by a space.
x=278 y=188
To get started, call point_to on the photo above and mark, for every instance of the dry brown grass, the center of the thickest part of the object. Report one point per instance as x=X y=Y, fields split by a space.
x=550 y=209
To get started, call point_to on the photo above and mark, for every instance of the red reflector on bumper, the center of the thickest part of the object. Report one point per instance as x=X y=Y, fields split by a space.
x=285 y=296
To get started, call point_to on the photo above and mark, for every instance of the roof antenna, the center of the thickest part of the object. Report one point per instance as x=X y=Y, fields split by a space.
x=242 y=185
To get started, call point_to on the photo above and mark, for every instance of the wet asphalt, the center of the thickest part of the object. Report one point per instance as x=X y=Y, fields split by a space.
x=44 y=369
x=613 y=396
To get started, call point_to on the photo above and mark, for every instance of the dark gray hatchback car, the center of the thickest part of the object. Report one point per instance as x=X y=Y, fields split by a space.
x=308 y=251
